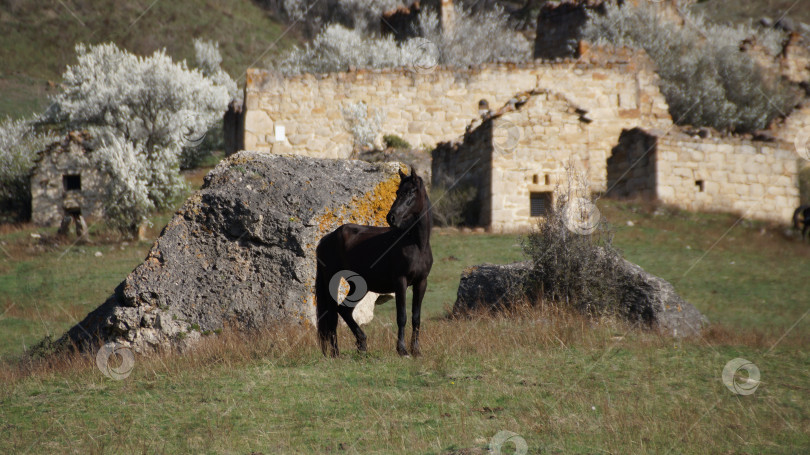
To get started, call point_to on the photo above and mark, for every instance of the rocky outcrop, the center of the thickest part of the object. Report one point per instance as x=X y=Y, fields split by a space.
x=492 y=286
x=240 y=253
x=647 y=298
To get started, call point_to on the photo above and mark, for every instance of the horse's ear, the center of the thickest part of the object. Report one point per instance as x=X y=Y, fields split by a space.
x=402 y=175
x=413 y=171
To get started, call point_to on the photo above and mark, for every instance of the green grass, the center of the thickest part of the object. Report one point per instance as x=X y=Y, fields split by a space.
x=565 y=384
x=37 y=38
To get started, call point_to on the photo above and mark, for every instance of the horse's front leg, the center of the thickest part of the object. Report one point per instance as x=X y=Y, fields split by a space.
x=402 y=317
x=418 y=294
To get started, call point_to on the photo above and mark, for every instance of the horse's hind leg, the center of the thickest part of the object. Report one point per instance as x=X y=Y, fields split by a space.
x=346 y=313
x=327 y=332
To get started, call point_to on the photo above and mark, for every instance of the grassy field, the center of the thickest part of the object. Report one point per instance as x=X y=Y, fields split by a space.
x=562 y=383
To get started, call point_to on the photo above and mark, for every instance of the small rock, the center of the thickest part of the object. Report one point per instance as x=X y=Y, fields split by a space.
x=630 y=223
x=35 y=235
x=98 y=254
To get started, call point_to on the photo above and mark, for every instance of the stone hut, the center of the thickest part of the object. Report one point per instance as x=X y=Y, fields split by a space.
x=706 y=172
x=66 y=182
x=516 y=157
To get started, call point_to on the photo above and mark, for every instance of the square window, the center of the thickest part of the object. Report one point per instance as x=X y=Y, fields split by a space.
x=72 y=182
x=540 y=204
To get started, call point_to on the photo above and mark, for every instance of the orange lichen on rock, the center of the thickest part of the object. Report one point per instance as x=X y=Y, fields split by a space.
x=369 y=209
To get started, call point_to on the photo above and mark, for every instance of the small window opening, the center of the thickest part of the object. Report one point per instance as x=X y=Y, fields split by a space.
x=548 y=179
x=535 y=179
x=540 y=204
x=699 y=184
x=72 y=182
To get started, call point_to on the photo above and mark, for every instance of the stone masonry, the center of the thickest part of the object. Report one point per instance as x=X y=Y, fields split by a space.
x=302 y=114
x=755 y=179
x=66 y=182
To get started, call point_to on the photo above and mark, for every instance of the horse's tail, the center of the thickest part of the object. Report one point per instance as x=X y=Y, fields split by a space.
x=325 y=307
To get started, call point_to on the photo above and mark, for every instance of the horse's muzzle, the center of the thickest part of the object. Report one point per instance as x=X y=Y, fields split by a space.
x=391 y=220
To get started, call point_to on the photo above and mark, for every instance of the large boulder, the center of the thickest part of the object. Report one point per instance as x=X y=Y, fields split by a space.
x=647 y=298
x=240 y=253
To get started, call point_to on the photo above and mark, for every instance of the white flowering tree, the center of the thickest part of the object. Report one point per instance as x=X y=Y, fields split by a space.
x=144 y=109
x=127 y=203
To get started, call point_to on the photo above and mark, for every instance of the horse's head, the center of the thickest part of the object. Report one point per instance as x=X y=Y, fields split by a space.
x=410 y=203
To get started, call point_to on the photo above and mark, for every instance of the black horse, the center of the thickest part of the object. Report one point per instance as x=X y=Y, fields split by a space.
x=381 y=259
x=802 y=216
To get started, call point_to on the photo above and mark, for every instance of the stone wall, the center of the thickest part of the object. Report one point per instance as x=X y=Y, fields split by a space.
x=795 y=129
x=755 y=179
x=51 y=199
x=616 y=86
x=522 y=148
x=532 y=147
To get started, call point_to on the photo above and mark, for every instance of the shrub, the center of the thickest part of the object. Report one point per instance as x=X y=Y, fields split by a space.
x=312 y=15
x=573 y=269
x=705 y=78
x=476 y=38
x=127 y=203
x=156 y=105
x=364 y=125
x=457 y=206
x=394 y=141
x=19 y=144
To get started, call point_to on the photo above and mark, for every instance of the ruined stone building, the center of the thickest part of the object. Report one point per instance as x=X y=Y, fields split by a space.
x=66 y=182
x=516 y=157
x=754 y=179
x=303 y=114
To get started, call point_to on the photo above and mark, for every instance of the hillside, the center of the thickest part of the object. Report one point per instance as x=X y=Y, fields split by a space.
x=37 y=38
x=736 y=11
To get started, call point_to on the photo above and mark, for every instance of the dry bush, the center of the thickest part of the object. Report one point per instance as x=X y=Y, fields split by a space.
x=477 y=37
x=705 y=78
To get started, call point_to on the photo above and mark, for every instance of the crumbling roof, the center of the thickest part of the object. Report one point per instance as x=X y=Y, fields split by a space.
x=81 y=138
